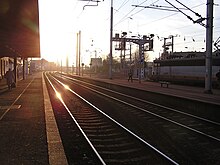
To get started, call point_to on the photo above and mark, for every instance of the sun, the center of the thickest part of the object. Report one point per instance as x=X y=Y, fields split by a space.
x=59 y=24
x=57 y=39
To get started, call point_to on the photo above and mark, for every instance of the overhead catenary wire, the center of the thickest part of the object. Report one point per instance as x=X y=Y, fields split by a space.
x=143 y=9
x=197 y=14
x=123 y=4
x=195 y=33
x=156 y=8
x=134 y=12
x=122 y=19
x=82 y=11
x=117 y=10
x=190 y=18
x=199 y=21
x=168 y=16
x=127 y=15
x=161 y=6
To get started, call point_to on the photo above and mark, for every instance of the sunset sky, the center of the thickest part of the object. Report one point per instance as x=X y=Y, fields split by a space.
x=60 y=20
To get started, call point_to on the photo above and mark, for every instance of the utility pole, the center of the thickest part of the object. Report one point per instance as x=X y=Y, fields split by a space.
x=77 y=54
x=79 y=51
x=111 y=30
x=61 y=66
x=67 y=65
x=209 y=36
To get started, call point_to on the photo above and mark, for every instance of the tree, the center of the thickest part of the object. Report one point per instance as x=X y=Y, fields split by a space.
x=136 y=56
x=115 y=65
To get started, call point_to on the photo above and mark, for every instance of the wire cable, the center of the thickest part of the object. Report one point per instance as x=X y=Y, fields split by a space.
x=199 y=21
x=168 y=16
x=123 y=4
x=180 y=11
x=122 y=19
x=189 y=9
x=143 y=8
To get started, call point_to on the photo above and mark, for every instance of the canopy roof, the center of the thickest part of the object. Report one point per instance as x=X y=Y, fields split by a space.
x=19 y=28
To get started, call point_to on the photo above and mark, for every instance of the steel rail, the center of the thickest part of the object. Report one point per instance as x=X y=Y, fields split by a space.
x=120 y=125
x=148 y=102
x=159 y=116
x=87 y=139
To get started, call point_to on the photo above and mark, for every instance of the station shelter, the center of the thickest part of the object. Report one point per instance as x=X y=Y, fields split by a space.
x=19 y=34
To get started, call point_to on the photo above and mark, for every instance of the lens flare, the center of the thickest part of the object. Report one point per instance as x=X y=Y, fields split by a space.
x=58 y=95
x=66 y=87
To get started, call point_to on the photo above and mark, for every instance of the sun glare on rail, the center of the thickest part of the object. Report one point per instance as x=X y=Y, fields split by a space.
x=66 y=87
x=58 y=95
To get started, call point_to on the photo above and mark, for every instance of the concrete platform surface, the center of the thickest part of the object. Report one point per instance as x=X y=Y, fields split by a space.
x=28 y=130
x=189 y=92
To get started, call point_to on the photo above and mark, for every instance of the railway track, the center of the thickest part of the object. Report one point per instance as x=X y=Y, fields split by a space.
x=109 y=141
x=183 y=137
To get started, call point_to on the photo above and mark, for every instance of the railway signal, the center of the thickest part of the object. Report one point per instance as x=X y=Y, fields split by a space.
x=141 y=42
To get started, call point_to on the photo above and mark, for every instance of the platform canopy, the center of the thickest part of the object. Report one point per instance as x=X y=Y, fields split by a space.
x=19 y=28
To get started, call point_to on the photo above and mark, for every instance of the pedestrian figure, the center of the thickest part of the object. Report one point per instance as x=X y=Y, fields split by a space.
x=9 y=75
x=130 y=74
x=218 y=78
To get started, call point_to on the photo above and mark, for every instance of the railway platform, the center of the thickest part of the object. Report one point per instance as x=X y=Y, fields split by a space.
x=182 y=91
x=28 y=130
